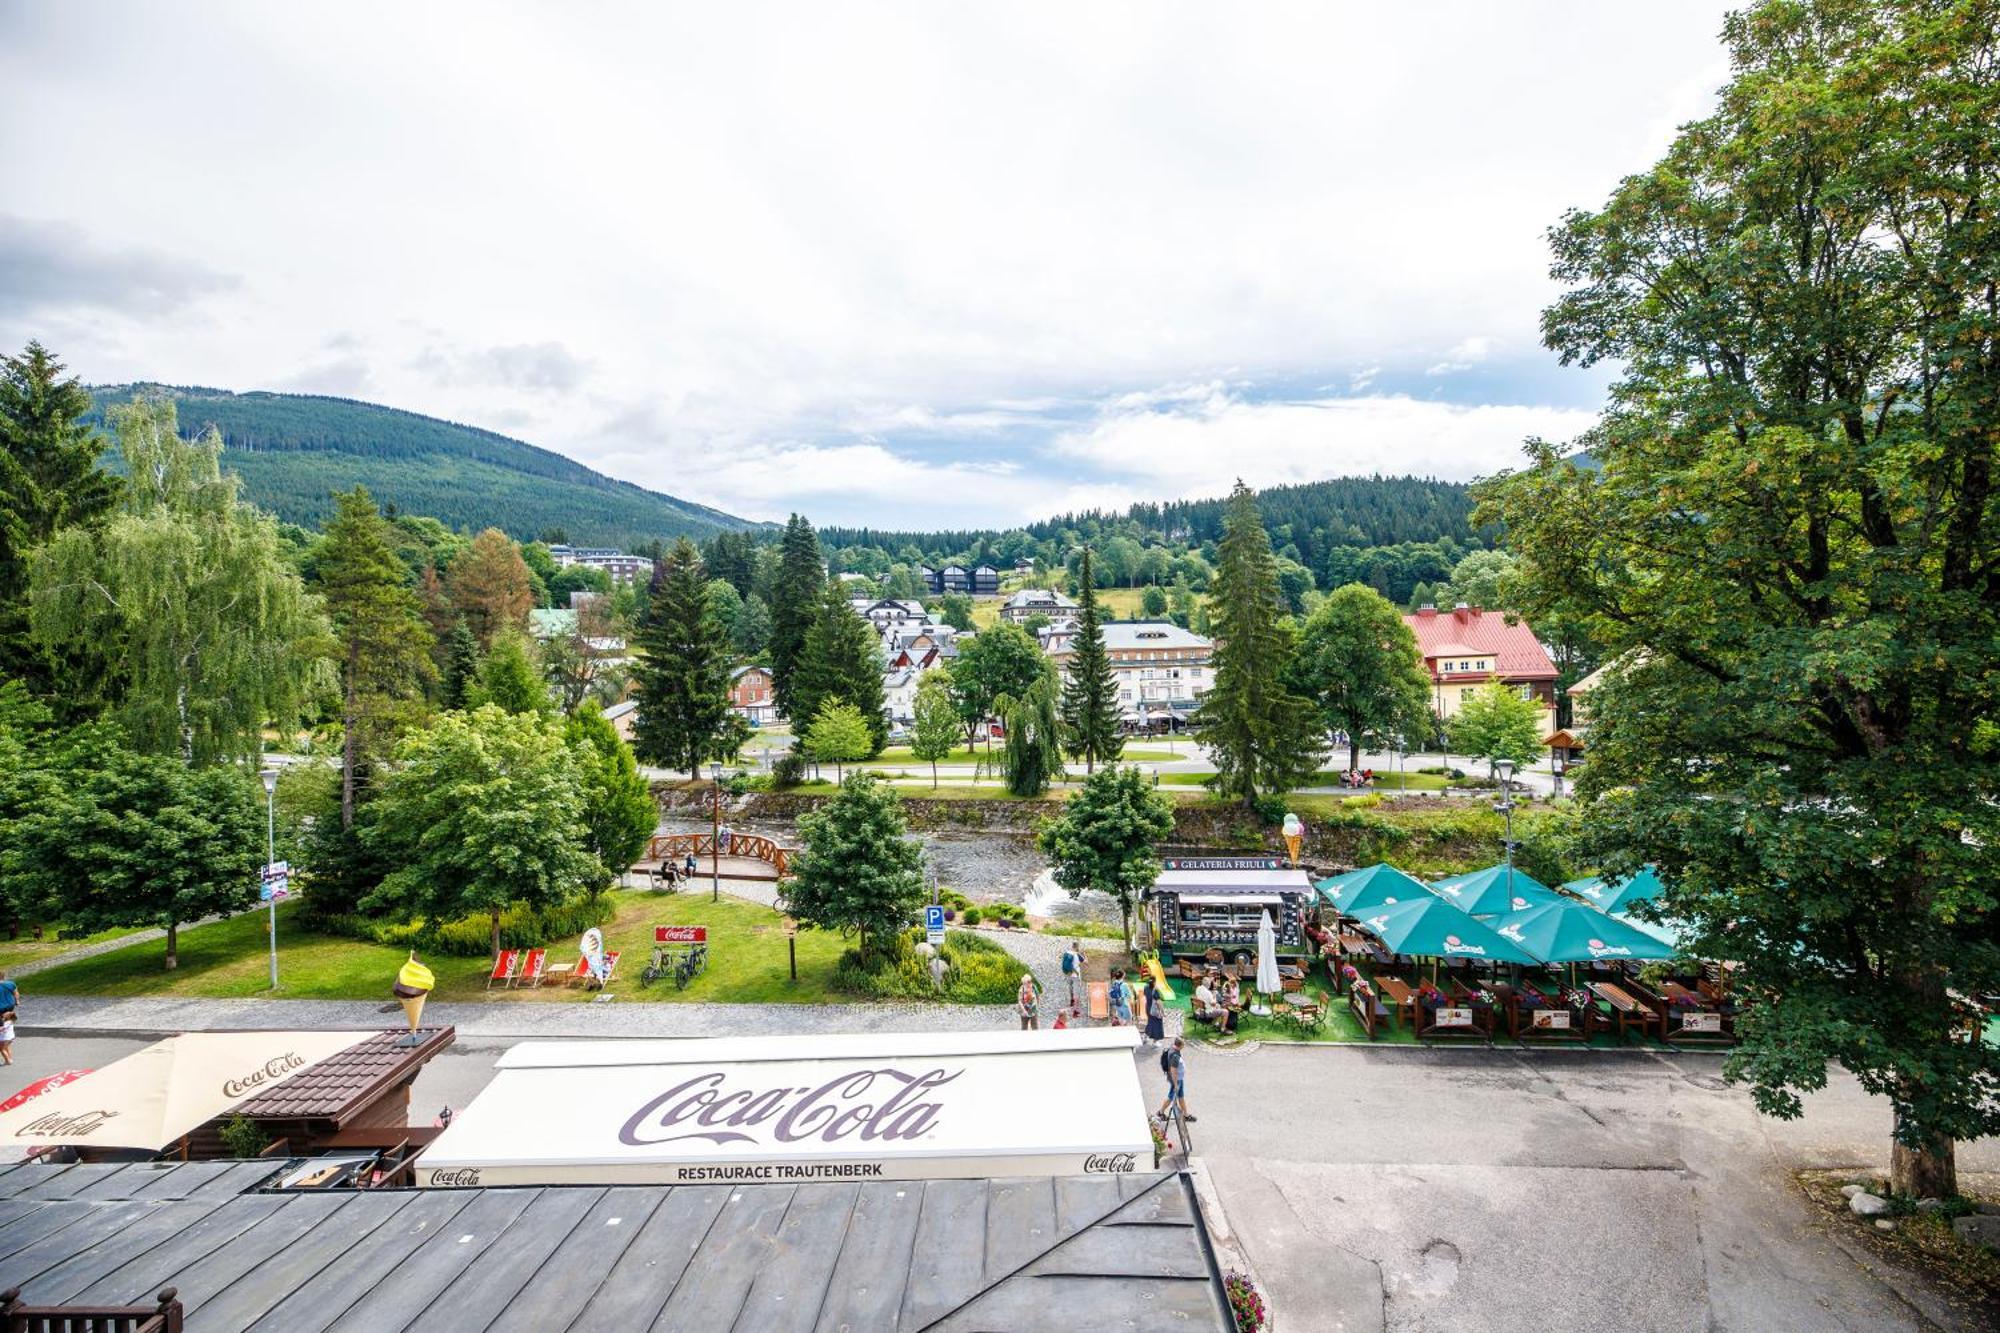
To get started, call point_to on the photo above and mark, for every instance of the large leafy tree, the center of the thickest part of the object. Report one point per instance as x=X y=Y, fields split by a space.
x=1358 y=663
x=1792 y=548
x=1497 y=723
x=1265 y=738
x=682 y=675
x=856 y=870
x=481 y=812
x=492 y=588
x=1090 y=712
x=1107 y=837
x=1034 y=737
x=842 y=662
x=999 y=663
x=619 y=816
x=795 y=602
x=114 y=837
x=935 y=729
x=383 y=644
x=838 y=735
x=50 y=479
x=508 y=678
x=189 y=597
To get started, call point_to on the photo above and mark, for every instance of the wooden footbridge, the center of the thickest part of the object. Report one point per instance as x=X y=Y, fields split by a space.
x=743 y=855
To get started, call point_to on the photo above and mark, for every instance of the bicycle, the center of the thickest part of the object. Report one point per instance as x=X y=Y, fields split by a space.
x=691 y=966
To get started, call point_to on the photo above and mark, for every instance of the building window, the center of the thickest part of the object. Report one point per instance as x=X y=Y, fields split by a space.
x=1464 y=695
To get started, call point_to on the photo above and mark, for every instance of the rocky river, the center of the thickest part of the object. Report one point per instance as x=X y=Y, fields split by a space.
x=984 y=866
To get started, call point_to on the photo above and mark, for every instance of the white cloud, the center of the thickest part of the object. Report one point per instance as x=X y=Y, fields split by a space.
x=739 y=226
x=1202 y=448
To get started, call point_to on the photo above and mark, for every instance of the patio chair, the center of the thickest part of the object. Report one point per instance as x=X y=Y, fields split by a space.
x=503 y=968
x=531 y=968
x=610 y=968
x=577 y=971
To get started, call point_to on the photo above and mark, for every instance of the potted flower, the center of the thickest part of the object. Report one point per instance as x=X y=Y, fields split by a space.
x=1244 y=1302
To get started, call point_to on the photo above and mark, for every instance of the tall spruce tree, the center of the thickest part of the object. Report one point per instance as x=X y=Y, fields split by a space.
x=1264 y=737
x=682 y=675
x=461 y=670
x=50 y=479
x=795 y=605
x=384 y=646
x=1090 y=726
x=842 y=661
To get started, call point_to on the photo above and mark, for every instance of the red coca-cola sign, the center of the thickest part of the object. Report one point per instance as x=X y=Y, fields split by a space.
x=680 y=934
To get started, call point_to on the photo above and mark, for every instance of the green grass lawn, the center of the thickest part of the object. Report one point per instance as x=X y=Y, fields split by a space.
x=24 y=950
x=1330 y=777
x=747 y=960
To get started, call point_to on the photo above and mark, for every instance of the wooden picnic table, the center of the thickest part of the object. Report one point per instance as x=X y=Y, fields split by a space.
x=1401 y=997
x=1628 y=1010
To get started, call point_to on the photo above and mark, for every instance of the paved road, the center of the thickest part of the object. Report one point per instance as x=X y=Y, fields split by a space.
x=1469 y=1190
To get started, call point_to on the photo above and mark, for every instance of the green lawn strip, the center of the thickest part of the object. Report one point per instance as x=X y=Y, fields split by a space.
x=747 y=960
x=13 y=953
x=1331 y=778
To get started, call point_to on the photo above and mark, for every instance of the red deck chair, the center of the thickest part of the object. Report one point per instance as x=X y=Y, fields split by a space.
x=503 y=968
x=531 y=968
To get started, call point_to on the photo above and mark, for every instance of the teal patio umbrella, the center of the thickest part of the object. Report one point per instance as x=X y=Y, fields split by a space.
x=1494 y=891
x=1430 y=927
x=1371 y=886
x=1569 y=932
x=1614 y=896
x=1662 y=930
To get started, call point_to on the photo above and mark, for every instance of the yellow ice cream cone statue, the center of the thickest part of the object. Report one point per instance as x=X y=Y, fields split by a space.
x=413 y=983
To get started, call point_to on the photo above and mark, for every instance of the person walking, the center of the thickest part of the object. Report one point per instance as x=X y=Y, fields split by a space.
x=1072 y=968
x=1173 y=1064
x=1028 y=1002
x=1121 y=999
x=1156 y=1015
x=10 y=1000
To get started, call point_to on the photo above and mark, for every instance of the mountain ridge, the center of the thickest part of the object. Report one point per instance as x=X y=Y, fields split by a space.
x=294 y=450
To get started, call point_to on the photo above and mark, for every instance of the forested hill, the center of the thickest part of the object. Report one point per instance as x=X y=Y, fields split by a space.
x=295 y=450
x=1313 y=516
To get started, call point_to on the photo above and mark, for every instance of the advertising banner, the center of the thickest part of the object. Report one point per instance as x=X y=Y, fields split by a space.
x=891 y=1106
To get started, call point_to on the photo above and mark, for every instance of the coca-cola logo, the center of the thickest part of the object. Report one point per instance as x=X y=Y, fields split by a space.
x=1115 y=1163
x=58 y=1125
x=846 y=1105
x=456 y=1178
x=274 y=1068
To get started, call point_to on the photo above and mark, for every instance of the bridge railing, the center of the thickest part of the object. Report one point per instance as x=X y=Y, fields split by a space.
x=677 y=846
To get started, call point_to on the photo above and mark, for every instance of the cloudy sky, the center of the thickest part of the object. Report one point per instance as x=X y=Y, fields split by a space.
x=913 y=264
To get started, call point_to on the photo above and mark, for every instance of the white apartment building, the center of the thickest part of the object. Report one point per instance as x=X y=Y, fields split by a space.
x=1162 y=670
x=621 y=567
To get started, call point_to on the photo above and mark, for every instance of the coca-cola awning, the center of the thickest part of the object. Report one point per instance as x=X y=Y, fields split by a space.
x=154 y=1095
x=789 y=1109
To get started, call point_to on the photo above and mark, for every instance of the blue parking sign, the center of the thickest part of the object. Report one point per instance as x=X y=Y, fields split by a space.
x=934 y=923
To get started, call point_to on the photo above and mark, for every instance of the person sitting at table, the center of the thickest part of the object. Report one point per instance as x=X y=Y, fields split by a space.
x=1232 y=995
x=1208 y=1007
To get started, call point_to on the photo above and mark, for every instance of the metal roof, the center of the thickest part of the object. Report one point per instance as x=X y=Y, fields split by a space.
x=1024 y=1253
x=345 y=1084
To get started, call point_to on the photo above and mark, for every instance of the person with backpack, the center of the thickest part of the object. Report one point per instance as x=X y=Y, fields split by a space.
x=1174 y=1066
x=1121 y=999
x=1072 y=968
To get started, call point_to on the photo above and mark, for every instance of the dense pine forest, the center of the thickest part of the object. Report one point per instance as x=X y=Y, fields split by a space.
x=295 y=450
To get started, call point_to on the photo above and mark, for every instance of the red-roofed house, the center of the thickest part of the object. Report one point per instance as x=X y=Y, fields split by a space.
x=1465 y=647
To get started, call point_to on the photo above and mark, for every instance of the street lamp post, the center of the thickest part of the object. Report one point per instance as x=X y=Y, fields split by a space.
x=715 y=837
x=270 y=780
x=1505 y=805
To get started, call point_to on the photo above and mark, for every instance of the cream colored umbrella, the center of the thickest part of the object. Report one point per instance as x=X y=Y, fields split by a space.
x=152 y=1097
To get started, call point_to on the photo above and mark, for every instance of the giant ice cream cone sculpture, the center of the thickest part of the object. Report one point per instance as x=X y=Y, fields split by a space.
x=413 y=983
x=1295 y=831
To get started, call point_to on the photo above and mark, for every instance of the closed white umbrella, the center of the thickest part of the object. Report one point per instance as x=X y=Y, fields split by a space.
x=1268 y=982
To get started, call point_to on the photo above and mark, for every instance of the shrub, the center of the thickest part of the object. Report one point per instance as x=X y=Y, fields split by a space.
x=471 y=937
x=1368 y=802
x=243 y=1137
x=973 y=916
x=981 y=971
x=788 y=769
x=1270 y=808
